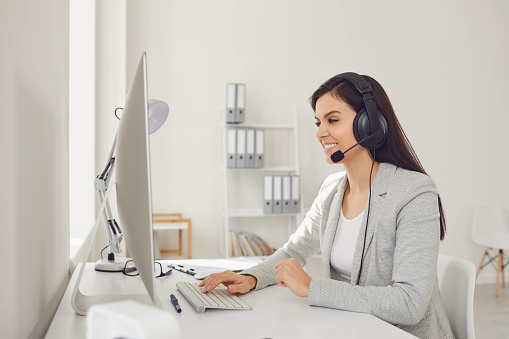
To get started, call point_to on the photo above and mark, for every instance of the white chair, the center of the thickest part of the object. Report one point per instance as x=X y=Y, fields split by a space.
x=490 y=230
x=456 y=281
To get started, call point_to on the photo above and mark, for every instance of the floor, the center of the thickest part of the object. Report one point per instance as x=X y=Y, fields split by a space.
x=491 y=314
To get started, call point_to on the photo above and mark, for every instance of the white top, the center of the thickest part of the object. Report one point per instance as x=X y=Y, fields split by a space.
x=344 y=245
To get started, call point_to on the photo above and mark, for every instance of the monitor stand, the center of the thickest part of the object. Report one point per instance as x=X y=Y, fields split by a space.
x=81 y=302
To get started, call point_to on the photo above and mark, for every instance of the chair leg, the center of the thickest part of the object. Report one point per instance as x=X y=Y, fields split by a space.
x=157 y=248
x=499 y=271
x=189 y=240
x=501 y=258
x=180 y=242
x=480 y=265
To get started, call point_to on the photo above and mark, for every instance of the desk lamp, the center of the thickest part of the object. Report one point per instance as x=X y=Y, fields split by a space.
x=157 y=114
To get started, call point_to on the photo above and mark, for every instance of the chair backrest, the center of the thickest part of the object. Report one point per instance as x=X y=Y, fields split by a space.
x=456 y=281
x=490 y=228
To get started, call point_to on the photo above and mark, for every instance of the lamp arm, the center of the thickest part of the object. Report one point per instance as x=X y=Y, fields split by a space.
x=101 y=183
x=114 y=231
x=110 y=164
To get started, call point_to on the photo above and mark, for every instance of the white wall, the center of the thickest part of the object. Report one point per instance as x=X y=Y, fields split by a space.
x=443 y=65
x=34 y=205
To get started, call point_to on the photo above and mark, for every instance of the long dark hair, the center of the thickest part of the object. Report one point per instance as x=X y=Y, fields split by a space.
x=397 y=149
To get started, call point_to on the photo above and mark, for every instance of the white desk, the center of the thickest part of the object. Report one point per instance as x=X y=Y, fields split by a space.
x=276 y=313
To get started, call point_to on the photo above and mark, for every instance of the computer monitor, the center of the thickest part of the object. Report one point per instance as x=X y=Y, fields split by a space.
x=132 y=173
x=134 y=198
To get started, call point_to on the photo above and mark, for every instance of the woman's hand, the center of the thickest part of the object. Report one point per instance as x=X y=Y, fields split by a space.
x=290 y=274
x=236 y=283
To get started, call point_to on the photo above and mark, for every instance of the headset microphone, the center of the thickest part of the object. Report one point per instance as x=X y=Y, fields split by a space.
x=338 y=155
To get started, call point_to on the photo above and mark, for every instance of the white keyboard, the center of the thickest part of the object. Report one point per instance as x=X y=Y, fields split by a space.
x=217 y=298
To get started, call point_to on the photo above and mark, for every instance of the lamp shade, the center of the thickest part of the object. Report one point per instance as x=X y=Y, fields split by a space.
x=157 y=114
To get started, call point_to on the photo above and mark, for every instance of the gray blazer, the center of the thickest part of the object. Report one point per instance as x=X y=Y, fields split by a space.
x=398 y=280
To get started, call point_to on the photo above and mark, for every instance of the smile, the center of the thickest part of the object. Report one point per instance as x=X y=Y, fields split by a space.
x=328 y=147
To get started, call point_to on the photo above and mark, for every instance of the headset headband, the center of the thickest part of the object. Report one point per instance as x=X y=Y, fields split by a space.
x=364 y=88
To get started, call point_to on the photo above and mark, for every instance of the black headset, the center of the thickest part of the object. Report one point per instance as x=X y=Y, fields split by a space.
x=369 y=128
x=370 y=131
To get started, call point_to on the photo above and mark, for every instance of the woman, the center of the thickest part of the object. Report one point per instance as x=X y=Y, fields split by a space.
x=378 y=223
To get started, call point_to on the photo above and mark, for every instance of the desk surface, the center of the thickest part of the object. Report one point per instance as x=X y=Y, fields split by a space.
x=276 y=313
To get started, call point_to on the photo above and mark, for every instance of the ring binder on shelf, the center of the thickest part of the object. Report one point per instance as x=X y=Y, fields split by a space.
x=241 y=102
x=250 y=148
x=231 y=100
x=235 y=103
x=231 y=148
x=276 y=191
x=295 y=202
x=241 y=148
x=287 y=207
x=267 y=195
x=259 y=149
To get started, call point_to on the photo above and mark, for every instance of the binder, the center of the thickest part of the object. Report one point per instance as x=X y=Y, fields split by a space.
x=259 y=149
x=277 y=194
x=241 y=148
x=295 y=202
x=231 y=100
x=250 y=148
x=267 y=195
x=287 y=207
x=240 y=103
x=231 y=148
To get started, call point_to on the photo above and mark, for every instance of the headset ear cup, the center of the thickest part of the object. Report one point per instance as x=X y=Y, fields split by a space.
x=362 y=130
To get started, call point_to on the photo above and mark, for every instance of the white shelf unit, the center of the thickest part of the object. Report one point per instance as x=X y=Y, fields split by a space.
x=254 y=209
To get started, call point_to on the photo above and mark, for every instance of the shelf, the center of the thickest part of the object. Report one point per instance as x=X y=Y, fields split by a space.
x=266 y=169
x=261 y=126
x=244 y=212
x=283 y=134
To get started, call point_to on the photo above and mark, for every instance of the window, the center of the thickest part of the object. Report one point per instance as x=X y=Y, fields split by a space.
x=81 y=122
